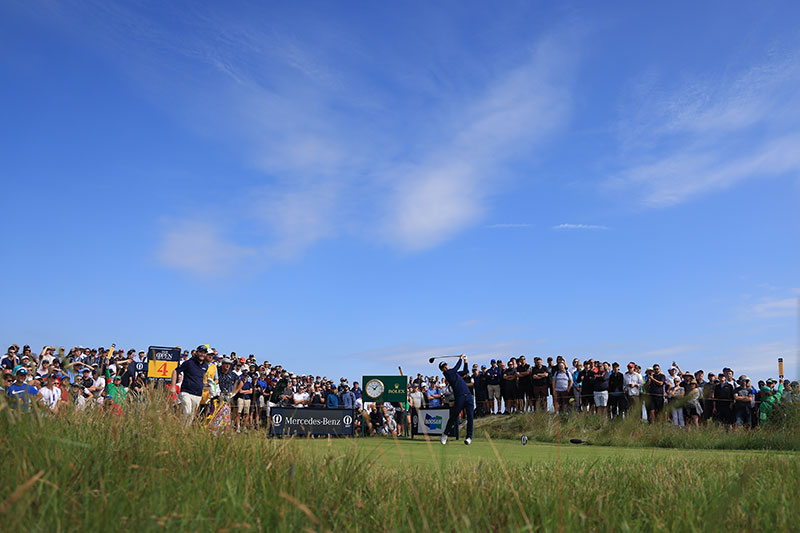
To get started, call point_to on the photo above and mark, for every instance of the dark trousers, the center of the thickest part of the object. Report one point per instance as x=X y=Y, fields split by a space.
x=617 y=404
x=464 y=402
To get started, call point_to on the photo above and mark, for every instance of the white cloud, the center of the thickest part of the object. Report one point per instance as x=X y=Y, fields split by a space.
x=447 y=192
x=200 y=248
x=775 y=308
x=350 y=137
x=580 y=226
x=710 y=134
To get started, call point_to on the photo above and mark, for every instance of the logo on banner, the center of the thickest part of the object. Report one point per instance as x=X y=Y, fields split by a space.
x=277 y=419
x=347 y=420
x=433 y=422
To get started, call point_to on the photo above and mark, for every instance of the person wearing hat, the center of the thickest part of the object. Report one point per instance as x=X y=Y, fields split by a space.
x=20 y=394
x=462 y=399
x=116 y=394
x=226 y=378
x=770 y=396
x=193 y=371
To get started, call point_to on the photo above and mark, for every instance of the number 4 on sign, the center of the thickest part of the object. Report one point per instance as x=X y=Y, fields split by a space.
x=162 y=370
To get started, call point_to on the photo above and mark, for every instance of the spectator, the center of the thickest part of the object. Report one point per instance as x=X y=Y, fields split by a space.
x=116 y=394
x=524 y=385
x=540 y=382
x=676 y=394
x=21 y=395
x=577 y=375
x=632 y=386
x=692 y=408
x=562 y=382
x=587 y=386
x=434 y=397
x=743 y=399
x=346 y=398
x=301 y=398
x=494 y=377
x=51 y=393
x=600 y=387
x=332 y=400
x=723 y=400
x=617 y=401
x=655 y=393
x=510 y=389
x=770 y=396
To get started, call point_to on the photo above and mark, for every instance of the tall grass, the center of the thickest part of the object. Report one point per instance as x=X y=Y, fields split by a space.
x=782 y=432
x=146 y=471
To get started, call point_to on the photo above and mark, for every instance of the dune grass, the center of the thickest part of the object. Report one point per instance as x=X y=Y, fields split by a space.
x=146 y=471
x=781 y=433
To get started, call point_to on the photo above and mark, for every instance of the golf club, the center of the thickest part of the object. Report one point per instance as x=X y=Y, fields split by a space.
x=432 y=359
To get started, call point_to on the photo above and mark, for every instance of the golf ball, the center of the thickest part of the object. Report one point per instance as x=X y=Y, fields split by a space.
x=524 y=440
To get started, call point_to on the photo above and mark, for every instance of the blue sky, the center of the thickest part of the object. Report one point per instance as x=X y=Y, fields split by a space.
x=346 y=189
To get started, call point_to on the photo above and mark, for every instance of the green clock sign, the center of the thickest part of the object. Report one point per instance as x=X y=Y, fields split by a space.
x=385 y=388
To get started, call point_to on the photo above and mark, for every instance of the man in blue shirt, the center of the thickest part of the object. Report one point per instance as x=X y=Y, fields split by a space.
x=434 y=397
x=462 y=399
x=332 y=400
x=20 y=394
x=493 y=378
x=194 y=371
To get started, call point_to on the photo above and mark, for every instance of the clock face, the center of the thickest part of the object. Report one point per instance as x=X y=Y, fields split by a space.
x=374 y=388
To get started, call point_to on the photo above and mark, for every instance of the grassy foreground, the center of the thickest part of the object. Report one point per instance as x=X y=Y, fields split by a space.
x=145 y=471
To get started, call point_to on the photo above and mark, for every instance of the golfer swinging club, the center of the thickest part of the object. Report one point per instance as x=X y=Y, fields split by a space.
x=462 y=398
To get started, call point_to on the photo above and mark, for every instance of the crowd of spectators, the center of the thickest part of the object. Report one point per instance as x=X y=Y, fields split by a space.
x=89 y=378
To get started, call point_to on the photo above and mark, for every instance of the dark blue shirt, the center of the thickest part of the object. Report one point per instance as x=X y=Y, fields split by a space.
x=193 y=375
x=332 y=401
x=494 y=376
x=455 y=380
x=247 y=387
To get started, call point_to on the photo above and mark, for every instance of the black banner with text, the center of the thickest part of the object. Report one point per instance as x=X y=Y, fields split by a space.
x=294 y=421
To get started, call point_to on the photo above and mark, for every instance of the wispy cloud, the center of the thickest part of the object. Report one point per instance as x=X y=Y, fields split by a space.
x=709 y=134
x=349 y=140
x=580 y=226
x=200 y=248
x=776 y=308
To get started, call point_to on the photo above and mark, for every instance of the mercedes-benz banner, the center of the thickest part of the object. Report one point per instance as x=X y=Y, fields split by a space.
x=294 y=421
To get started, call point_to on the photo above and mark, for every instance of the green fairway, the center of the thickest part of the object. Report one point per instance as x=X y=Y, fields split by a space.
x=422 y=452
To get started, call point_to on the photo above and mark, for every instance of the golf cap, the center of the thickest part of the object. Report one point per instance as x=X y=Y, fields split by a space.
x=442 y=365
x=483 y=367
x=726 y=370
x=19 y=369
x=202 y=349
x=493 y=361
x=770 y=381
x=227 y=360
